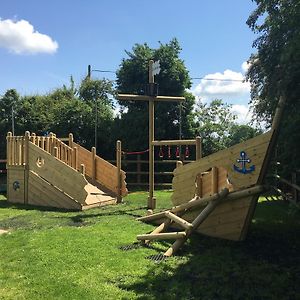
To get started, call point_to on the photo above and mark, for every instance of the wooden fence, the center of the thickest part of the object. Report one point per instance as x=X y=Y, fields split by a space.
x=137 y=171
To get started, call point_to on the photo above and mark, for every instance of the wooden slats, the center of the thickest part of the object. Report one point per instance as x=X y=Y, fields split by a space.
x=57 y=173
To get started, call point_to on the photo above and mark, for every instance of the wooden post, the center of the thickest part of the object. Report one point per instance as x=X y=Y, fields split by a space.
x=47 y=144
x=8 y=149
x=55 y=151
x=93 y=151
x=179 y=163
x=33 y=136
x=214 y=180
x=19 y=151
x=151 y=200
x=199 y=185
x=71 y=140
x=75 y=158
x=51 y=151
x=198 y=148
x=119 y=178
x=82 y=169
x=26 y=163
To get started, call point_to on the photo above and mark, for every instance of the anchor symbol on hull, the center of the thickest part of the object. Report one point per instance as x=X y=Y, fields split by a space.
x=243 y=160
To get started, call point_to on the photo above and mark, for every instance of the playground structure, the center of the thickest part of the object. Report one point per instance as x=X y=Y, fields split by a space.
x=217 y=195
x=168 y=150
x=45 y=171
x=151 y=97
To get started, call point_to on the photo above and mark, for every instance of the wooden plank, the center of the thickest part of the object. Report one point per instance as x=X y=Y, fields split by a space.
x=58 y=173
x=16 y=184
x=43 y=193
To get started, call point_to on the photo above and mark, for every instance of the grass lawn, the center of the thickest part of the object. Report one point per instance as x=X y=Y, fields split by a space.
x=51 y=254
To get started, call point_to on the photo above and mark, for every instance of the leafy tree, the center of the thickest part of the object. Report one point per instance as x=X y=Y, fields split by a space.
x=214 y=122
x=98 y=96
x=173 y=80
x=275 y=69
x=9 y=104
x=62 y=111
x=240 y=133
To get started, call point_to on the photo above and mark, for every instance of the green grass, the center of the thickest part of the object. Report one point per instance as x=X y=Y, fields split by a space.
x=51 y=254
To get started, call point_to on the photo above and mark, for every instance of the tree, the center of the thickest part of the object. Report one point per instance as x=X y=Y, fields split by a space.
x=62 y=111
x=241 y=133
x=214 y=123
x=9 y=104
x=98 y=96
x=275 y=69
x=173 y=80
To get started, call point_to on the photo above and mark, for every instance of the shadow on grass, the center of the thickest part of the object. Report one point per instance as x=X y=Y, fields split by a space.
x=264 y=266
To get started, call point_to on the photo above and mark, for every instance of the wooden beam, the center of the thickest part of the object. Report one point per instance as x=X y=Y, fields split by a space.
x=196 y=223
x=131 y=97
x=174 y=142
x=195 y=202
x=183 y=223
x=162 y=236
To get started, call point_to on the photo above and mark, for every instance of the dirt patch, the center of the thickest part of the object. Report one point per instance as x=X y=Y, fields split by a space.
x=2 y=231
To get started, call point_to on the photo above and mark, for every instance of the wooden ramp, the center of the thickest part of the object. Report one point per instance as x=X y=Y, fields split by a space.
x=44 y=171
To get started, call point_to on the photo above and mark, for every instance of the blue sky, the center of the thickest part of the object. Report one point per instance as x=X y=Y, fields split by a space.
x=57 y=39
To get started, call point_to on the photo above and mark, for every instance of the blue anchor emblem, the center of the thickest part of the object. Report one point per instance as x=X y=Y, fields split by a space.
x=244 y=160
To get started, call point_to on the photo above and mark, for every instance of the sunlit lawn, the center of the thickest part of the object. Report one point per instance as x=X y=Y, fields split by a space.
x=50 y=254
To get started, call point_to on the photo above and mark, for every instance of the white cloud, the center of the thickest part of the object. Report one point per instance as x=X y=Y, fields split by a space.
x=20 y=37
x=229 y=85
x=243 y=113
x=245 y=66
x=218 y=85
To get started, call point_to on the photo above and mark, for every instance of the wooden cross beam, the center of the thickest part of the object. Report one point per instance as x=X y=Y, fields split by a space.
x=151 y=100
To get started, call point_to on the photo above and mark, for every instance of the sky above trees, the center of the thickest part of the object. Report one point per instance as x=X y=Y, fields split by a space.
x=43 y=43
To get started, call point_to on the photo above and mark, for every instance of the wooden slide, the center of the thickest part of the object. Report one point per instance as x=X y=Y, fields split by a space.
x=44 y=171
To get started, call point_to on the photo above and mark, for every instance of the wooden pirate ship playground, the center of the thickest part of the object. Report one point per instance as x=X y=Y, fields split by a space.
x=217 y=194
x=45 y=171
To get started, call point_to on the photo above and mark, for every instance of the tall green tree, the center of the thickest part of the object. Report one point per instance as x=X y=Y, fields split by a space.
x=173 y=80
x=214 y=123
x=9 y=104
x=275 y=70
x=98 y=95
